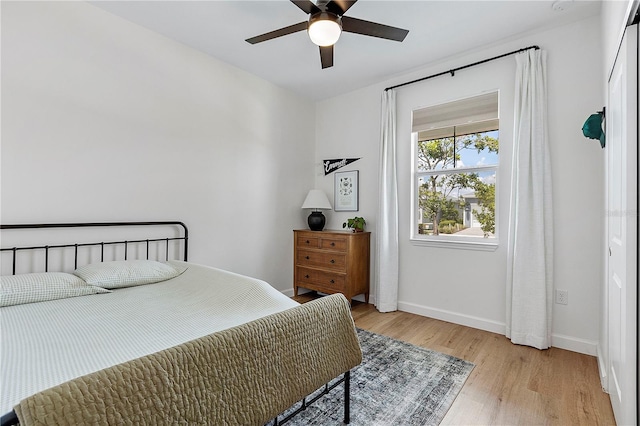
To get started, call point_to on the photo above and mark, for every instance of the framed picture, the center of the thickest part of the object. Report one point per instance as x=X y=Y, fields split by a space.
x=346 y=192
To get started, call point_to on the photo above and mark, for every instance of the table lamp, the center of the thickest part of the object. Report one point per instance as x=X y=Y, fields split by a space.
x=316 y=200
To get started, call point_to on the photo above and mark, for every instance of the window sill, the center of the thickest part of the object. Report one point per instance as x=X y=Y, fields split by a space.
x=455 y=244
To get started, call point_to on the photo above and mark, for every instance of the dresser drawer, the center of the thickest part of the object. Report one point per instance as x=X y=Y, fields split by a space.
x=336 y=243
x=323 y=279
x=306 y=240
x=321 y=259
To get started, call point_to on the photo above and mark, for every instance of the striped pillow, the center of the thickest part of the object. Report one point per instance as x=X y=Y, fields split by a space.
x=40 y=287
x=126 y=273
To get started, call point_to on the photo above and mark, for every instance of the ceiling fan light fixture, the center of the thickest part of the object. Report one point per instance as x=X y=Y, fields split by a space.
x=324 y=28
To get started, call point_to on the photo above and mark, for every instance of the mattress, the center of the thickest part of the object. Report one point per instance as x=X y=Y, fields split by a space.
x=48 y=343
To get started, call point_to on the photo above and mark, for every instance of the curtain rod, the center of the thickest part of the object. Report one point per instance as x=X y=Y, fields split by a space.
x=453 y=71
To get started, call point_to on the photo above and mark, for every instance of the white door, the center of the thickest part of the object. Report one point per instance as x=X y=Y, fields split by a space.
x=622 y=213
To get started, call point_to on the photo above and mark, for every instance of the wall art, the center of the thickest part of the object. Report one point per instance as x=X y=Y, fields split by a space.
x=331 y=166
x=346 y=192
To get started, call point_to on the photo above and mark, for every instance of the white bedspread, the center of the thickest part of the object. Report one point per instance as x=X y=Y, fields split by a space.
x=47 y=343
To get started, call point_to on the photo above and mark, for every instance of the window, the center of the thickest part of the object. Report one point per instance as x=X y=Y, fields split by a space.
x=456 y=157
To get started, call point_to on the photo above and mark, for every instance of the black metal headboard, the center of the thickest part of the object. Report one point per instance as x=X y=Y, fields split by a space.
x=125 y=243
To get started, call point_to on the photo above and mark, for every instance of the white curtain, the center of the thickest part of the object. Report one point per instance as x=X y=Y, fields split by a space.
x=386 y=277
x=530 y=262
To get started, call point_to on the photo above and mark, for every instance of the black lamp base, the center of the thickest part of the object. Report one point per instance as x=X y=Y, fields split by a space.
x=316 y=221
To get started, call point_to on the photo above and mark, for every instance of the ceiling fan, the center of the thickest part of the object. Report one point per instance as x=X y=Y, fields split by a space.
x=326 y=23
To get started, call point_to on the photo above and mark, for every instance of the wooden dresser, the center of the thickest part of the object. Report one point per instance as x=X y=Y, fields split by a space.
x=332 y=262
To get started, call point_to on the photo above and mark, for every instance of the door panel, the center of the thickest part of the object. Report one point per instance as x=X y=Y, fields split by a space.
x=622 y=222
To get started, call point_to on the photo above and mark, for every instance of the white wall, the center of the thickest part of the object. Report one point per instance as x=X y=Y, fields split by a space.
x=468 y=287
x=105 y=120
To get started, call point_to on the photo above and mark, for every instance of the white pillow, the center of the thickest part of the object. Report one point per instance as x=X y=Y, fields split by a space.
x=39 y=287
x=126 y=273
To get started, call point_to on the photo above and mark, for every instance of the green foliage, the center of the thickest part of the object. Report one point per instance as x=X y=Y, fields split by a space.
x=482 y=142
x=449 y=226
x=451 y=212
x=486 y=194
x=437 y=208
x=439 y=153
x=355 y=223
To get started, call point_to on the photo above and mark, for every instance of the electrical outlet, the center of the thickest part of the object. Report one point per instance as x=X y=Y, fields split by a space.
x=562 y=297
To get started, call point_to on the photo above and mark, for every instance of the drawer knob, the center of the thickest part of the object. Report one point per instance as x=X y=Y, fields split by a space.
x=332 y=261
x=306 y=276
x=307 y=242
x=306 y=257
x=332 y=282
x=333 y=244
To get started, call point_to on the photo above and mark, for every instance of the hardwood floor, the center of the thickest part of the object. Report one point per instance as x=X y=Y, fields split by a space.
x=510 y=384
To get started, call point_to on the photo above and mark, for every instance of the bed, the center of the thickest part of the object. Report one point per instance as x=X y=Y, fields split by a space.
x=201 y=345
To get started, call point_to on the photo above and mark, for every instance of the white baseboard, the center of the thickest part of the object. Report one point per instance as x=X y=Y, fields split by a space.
x=560 y=341
x=288 y=292
x=454 y=317
x=602 y=369
x=569 y=343
x=574 y=344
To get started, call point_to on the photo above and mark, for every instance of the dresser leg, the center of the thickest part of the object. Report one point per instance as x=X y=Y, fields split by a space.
x=295 y=290
x=366 y=297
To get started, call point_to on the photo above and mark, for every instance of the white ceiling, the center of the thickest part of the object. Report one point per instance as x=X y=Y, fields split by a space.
x=437 y=30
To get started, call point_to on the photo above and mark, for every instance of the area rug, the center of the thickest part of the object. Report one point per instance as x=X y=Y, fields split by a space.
x=396 y=384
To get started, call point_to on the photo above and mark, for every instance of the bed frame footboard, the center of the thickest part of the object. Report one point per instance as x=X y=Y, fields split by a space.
x=9 y=419
x=346 y=379
x=243 y=375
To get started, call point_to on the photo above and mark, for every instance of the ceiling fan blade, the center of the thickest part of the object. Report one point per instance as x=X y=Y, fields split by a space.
x=279 y=33
x=340 y=7
x=326 y=56
x=373 y=29
x=306 y=6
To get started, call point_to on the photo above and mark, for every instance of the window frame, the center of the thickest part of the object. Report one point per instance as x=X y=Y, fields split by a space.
x=448 y=240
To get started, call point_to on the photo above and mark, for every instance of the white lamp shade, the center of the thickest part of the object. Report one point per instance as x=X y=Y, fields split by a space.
x=316 y=199
x=324 y=32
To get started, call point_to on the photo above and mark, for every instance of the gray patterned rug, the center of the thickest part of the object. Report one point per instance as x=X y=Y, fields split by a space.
x=396 y=384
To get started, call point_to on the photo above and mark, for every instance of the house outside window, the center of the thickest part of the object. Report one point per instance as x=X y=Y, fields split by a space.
x=456 y=158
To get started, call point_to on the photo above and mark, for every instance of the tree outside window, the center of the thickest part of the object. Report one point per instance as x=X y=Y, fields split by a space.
x=456 y=179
